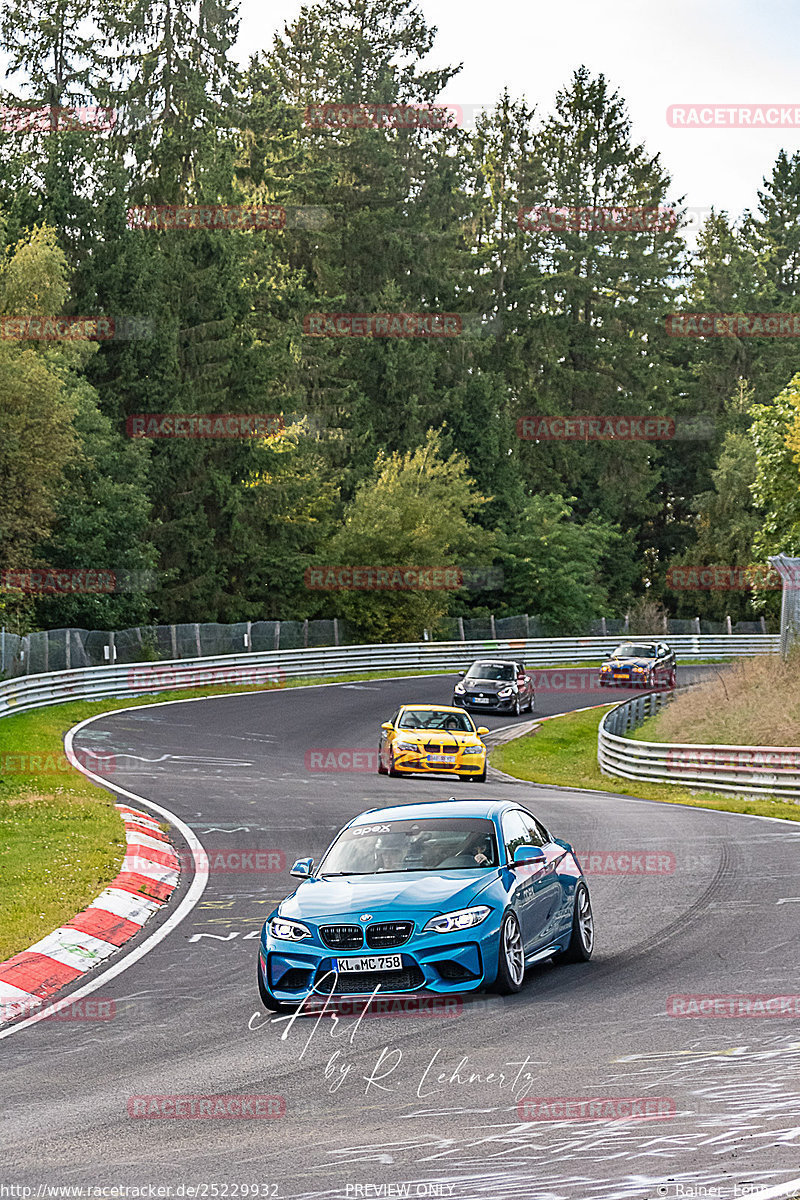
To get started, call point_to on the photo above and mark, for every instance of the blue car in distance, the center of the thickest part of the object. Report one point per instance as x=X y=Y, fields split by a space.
x=446 y=897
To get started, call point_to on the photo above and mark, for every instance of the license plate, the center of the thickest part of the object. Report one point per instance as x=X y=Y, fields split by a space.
x=481 y=700
x=369 y=962
x=448 y=760
x=616 y=676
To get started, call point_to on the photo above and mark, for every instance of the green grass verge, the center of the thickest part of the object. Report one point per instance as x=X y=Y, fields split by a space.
x=563 y=751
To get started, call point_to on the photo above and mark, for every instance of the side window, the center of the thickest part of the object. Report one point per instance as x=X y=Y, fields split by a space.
x=515 y=832
x=395 y=718
x=536 y=835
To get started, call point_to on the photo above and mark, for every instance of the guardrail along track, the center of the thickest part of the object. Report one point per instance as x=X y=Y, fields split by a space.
x=751 y=770
x=271 y=668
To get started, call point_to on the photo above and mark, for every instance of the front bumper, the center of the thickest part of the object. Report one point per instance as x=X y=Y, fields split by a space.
x=413 y=763
x=444 y=964
x=623 y=677
x=493 y=703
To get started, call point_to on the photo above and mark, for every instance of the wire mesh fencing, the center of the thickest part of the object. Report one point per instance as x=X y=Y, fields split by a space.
x=66 y=649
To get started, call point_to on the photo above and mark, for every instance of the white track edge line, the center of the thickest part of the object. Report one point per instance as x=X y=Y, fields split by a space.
x=196 y=889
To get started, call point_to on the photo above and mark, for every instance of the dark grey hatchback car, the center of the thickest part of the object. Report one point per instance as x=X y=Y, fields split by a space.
x=495 y=684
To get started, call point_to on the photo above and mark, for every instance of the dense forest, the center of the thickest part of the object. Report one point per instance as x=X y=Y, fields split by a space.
x=377 y=449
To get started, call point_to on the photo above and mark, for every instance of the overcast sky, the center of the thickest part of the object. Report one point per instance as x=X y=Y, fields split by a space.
x=710 y=52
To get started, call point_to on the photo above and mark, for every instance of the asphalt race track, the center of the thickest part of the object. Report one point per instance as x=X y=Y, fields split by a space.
x=428 y=1101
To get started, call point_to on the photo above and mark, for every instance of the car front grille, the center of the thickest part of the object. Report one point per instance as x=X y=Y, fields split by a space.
x=388 y=933
x=367 y=981
x=342 y=937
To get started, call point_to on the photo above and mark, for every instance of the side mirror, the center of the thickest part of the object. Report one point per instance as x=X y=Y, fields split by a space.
x=482 y=730
x=387 y=725
x=529 y=856
x=302 y=868
x=462 y=673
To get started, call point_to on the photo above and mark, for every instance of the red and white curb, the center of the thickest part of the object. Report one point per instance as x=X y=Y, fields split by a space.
x=148 y=877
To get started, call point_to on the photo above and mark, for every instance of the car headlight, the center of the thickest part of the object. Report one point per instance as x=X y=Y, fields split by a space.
x=464 y=918
x=288 y=931
x=639 y=670
x=606 y=667
x=505 y=693
x=459 y=689
x=406 y=746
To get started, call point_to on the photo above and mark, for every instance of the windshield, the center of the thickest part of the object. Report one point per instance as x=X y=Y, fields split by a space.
x=430 y=844
x=635 y=650
x=424 y=718
x=488 y=670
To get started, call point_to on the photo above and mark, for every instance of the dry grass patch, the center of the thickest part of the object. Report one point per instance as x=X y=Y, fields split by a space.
x=754 y=702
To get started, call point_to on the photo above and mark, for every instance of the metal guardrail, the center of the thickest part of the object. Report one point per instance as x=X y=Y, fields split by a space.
x=273 y=668
x=751 y=770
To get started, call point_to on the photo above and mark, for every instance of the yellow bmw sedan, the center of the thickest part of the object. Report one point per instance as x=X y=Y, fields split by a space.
x=431 y=739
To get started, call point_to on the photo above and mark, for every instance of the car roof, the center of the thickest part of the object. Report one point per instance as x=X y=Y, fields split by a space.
x=435 y=707
x=496 y=662
x=490 y=808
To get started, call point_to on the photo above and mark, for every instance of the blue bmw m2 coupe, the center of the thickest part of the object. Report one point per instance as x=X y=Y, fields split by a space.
x=445 y=897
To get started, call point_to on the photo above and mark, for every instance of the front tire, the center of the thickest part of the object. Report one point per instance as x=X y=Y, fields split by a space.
x=517 y=708
x=581 y=942
x=391 y=771
x=381 y=768
x=511 y=957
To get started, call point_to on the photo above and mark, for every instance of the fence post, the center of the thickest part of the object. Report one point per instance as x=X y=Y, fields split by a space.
x=763 y=625
x=112 y=648
x=336 y=631
x=491 y=626
x=3 y=650
x=173 y=637
x=305 y=633
x=627 y=624
x=527 y=626
x=603 y=626
x=461 y=628
x=67 y=652
x=277 y=645
x=697 y=624
x=197 y=639
x=248 y=637
x=728 y=627
x=47 y=650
